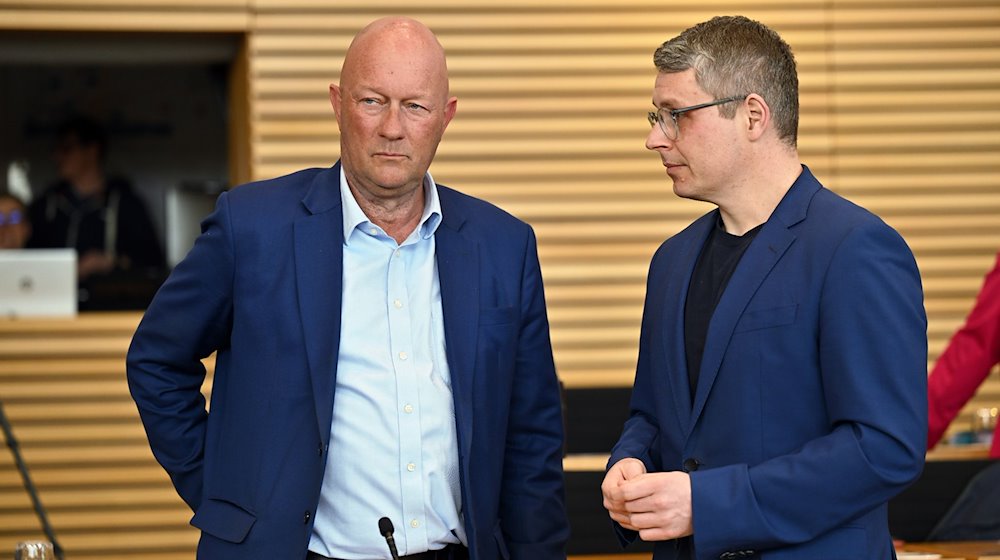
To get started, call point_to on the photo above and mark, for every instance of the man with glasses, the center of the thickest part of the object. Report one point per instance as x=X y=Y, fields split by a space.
x=780 y=393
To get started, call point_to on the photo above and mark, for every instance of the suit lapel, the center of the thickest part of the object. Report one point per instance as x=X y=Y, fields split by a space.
x=458 y=272
x=675 y=298
x=764 y=252
x=319 y=250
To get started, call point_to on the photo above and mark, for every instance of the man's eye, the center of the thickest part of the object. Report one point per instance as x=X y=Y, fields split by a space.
x=416 y=107
x=369 y=101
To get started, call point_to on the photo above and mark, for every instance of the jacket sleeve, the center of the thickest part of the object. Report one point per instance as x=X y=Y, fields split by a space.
x=532 y=501
x=967 y=360
x=190 y=317
x=872 y=363
x=638 y=439
x=640 y=434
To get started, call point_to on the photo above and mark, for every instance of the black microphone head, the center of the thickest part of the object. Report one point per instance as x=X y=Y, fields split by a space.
x=385 y=526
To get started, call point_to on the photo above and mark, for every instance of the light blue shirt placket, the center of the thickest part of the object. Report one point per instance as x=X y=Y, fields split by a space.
x=393 y=441
x=405 y=354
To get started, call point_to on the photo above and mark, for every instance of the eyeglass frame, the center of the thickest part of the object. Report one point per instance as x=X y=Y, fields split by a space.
x=654 y=116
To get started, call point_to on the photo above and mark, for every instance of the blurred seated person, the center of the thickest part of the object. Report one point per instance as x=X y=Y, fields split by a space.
x=14 y=226
x=119 y=256
x=966 y=362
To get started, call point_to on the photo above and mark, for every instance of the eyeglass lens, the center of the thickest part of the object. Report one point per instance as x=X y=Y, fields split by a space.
x=11 y=218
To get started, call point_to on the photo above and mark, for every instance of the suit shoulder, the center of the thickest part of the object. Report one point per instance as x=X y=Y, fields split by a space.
x=478 y=211
x=290 y=187
x=841 y=216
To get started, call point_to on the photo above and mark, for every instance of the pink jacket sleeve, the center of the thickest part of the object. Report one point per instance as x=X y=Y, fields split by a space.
x=970 y=355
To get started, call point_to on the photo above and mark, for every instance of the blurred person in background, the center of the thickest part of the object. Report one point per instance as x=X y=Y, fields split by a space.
x=971 y=354
x=100 y=216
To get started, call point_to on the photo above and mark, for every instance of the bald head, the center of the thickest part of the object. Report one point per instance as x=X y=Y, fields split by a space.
x=392 y=106
x=396 y=40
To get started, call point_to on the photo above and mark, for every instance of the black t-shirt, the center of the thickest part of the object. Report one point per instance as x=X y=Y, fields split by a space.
x=718 y=259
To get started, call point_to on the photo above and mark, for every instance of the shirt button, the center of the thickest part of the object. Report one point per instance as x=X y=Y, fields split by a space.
x=373 y=231
x=398 y=304
x=402 y=355
x=411 y=467
x=408 y=408
x=414 y=523
x=306 y=517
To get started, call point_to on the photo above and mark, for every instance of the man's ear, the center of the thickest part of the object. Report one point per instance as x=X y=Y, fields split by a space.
x=335 y=100
x=758 y=116
x=449 y=110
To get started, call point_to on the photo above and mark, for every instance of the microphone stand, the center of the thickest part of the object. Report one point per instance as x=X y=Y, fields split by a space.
x=29 y=486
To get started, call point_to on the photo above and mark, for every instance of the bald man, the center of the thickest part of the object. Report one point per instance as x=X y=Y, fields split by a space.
x=382 y=349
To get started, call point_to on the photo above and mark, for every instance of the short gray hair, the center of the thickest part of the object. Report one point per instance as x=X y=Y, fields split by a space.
x=735 y=55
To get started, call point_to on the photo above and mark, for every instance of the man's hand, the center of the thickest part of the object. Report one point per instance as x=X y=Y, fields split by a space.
x=614 y=500
x=658 y=505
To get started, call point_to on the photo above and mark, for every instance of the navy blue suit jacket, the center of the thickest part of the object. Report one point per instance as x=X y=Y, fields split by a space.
x=811 y=406
x=262 y=288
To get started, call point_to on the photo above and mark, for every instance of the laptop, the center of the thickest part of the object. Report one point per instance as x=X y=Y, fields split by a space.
x=38 y=283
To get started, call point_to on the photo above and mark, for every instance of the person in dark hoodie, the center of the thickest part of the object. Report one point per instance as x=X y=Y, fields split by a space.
x=99 y=215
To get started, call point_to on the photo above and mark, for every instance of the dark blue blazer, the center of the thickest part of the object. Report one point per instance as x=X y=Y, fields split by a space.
x=811 y=405
x=262 y=288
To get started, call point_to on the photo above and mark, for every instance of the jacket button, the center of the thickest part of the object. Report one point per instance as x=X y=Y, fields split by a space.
x=306 y=517
x=690 y=464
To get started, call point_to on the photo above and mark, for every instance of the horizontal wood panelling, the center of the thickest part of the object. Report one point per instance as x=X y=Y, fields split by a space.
x=915 y=88
x=125 y=15
x=63 y=387
x=900 y=113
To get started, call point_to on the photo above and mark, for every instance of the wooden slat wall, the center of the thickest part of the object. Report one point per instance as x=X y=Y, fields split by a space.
x=900 y=112
x=125 y=15
x=915 y=90
x=63 y=387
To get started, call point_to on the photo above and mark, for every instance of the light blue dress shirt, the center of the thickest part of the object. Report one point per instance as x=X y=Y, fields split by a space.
x=393 y=444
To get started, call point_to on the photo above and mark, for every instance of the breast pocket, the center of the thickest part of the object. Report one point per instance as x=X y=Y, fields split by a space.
x=767 y=318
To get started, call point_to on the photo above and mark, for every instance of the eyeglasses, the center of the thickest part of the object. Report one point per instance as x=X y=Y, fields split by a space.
x=11 y=218
x=670 y=127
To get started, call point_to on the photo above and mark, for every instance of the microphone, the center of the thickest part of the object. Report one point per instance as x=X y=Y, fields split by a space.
x=385 y=527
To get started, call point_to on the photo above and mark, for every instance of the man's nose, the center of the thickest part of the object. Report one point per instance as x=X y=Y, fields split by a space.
x=657 y=139
x=391 y=125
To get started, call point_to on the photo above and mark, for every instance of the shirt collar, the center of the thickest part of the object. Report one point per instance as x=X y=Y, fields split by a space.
x=354 y=216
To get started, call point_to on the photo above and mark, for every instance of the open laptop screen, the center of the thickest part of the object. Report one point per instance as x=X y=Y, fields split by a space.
x=38 y=283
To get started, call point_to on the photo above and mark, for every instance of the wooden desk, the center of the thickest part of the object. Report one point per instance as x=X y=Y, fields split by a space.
x=959 y=452
x=967 y=550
